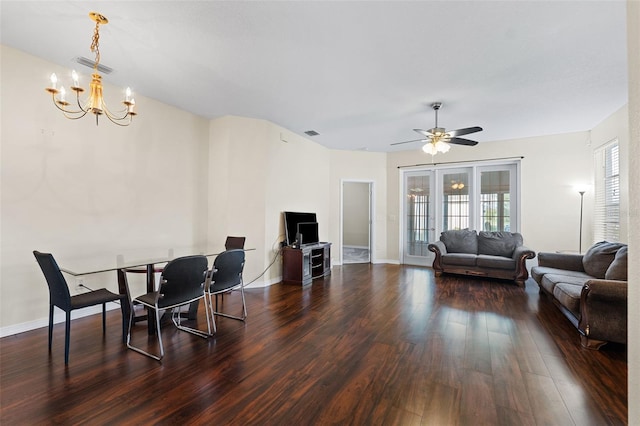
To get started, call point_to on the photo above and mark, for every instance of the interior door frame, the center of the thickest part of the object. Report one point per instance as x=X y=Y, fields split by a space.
x=372 y=219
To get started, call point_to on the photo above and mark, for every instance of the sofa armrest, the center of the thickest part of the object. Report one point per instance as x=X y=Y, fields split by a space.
x=567 y=261
x=523 y=252
x=603 y=310
x=520 y=255
x=437 y=246
x=439 y=249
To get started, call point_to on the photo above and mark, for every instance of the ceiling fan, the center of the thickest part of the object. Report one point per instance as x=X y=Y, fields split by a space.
x=438 y=138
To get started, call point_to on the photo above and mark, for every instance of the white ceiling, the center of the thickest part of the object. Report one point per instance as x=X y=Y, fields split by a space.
x=362 y=74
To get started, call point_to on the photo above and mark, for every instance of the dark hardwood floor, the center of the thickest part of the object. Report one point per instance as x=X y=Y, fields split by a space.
x=372 y=344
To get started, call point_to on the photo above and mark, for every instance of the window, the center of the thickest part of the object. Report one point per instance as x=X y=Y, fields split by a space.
x=455 y=200
x=607 y=193
x=418 y=214
x=495 y=200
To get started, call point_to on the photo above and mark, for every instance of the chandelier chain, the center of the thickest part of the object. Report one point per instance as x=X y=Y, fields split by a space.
x=95 y=45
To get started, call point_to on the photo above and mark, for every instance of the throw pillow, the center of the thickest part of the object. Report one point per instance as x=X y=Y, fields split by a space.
x=597 y=259
x=498 y=243
x=460 y=241
x=618 y=268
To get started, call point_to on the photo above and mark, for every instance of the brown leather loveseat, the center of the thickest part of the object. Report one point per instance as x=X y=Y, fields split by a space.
x=486 y=254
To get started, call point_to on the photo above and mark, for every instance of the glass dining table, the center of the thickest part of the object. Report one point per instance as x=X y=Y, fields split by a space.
x=138 y=261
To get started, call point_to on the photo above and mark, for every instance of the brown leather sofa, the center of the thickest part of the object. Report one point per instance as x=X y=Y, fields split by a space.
x=589 y=289
x=485 y=254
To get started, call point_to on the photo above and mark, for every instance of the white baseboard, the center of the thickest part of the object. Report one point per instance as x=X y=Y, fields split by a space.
x=264 y=283
x=58 y=317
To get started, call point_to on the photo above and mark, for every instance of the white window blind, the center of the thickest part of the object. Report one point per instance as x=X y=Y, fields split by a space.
x=607 y=193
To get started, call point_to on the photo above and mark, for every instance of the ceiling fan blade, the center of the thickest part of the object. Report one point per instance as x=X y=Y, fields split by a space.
x=462 y=141
x=466 y=131
x=424 y=132
x=415 y=140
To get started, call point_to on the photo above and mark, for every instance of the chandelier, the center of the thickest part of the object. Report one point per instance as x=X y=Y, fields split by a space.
x=95 y=103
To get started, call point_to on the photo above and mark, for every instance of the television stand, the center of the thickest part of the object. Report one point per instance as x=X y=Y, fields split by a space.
x=301 y=265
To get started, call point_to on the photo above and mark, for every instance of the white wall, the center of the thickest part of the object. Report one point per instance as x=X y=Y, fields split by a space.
x=360 y=166
x=77 y=189
x=257 y=171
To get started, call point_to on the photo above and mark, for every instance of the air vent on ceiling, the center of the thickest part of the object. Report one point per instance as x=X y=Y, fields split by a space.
x=89 y=63
x=311 y=133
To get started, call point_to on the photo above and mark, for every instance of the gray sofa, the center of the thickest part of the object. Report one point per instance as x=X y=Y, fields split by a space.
x=486 y=254
x=589 y=289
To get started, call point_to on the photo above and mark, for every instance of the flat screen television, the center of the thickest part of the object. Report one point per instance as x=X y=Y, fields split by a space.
x=308 y=232
x=291 y=221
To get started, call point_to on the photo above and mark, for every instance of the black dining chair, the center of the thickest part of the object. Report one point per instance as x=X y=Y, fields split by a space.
x=225 y=275
x=181 y=283
x=59 y=296
x=233 y=243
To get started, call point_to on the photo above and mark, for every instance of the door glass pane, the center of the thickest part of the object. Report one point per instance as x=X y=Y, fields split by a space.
x=495 y=200
x=418 y=214
x=455 y=201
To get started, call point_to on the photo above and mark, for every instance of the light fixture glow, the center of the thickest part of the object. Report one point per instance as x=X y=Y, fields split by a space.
x=95 y=103
x=436 y=145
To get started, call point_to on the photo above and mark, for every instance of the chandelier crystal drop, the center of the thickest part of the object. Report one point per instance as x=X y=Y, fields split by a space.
x=95 y=103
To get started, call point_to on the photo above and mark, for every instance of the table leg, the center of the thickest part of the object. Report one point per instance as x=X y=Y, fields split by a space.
x=151 y=315
x=125 y=303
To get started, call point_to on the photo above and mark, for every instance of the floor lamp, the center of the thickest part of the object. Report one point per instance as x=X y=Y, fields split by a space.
x=581 y=204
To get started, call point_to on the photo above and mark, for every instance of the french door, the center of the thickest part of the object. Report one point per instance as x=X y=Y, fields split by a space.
x=481 y=197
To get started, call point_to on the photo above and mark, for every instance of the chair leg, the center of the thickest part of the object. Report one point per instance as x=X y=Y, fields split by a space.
x=125 y=318
x=104 y=319
x=177 y=321
x=159 y=334
x=157 y=321
x=50 y=326
x=210 y=308
x=244 y=309
x=67 y=331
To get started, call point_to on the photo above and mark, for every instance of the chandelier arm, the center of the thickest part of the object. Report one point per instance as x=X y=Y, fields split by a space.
x=66 y=114
x=118 y=120
x=112 y=116
x=80 y=105
x=66 y=111
x=124 y=111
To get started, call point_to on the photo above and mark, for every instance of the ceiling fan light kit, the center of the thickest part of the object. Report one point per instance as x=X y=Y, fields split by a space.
x=438 y=139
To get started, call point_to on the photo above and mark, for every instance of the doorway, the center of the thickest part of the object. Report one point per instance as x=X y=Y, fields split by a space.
x=356 y=239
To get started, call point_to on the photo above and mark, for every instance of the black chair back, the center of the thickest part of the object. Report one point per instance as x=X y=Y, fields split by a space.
x=233 y=243
x=227 y=270
x=58 y=289
x=182 y=280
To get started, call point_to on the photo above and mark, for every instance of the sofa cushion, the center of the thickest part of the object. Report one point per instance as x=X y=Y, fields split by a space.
x=618 y=268
x=569 y=296
x=460 y=241
x=498 y=243
x=459 y=259
x=496 y=262
x=537 y=272
x=597 y=259
x=549 y=281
